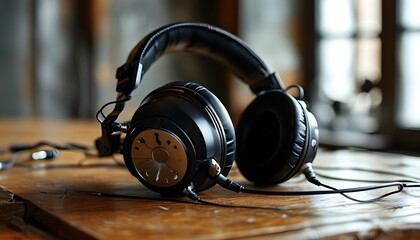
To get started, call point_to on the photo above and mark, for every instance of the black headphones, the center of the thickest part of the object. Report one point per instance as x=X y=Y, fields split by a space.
x=180 y=127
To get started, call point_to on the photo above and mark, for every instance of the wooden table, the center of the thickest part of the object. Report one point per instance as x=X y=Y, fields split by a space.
x=64 y=201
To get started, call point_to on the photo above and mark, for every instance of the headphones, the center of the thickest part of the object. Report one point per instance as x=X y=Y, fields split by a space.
x=181 y=131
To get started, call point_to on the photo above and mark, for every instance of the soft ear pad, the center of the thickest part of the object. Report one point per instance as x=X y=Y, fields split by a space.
x=271 y=138
x=221 y=119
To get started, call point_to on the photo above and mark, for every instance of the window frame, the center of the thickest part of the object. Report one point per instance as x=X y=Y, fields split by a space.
x=401 y=139
x=389 y=136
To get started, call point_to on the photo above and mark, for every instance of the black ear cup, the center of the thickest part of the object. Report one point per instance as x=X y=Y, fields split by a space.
x=221 y=120
x=176 y=128
x=272 y=138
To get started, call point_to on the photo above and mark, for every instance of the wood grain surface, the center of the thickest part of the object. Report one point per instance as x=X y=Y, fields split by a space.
x=95 y=198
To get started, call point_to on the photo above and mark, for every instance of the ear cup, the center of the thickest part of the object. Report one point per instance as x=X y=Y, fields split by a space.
x=221 y=118
x=186 y=116
x=271 y=138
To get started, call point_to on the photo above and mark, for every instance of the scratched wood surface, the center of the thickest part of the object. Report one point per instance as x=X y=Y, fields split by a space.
x=68 y=197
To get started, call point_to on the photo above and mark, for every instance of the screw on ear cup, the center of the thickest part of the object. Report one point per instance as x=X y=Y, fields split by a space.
x=271 y=138
x=193 y=115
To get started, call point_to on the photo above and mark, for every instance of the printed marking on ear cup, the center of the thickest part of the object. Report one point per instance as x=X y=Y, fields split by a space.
x=157 y=139
x=159 y=157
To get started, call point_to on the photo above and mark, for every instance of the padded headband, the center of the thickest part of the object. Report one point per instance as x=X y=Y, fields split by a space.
x=199 y=38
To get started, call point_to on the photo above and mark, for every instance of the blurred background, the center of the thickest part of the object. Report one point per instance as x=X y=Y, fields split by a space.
x=357 y=59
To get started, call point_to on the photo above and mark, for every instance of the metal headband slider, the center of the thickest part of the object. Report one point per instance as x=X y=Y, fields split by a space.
x=125 y=76
x=272 y=81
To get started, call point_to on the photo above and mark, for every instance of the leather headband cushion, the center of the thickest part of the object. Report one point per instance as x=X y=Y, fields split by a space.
x=271 y=137
x=203 y=39
x=226 y=128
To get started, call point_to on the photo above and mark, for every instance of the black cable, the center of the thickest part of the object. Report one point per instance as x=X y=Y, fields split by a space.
x=179 y=200
x=365 y=180
x=311 y=177
x=405 y=182
x=23 y=147
x=215 y=173
x=18 y=149
x=399 y=186
x=300 y=90
x=383 y=172
x=101 y=110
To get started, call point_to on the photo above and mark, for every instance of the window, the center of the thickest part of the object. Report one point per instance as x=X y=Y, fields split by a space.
x=408 y=116
x=365 y=73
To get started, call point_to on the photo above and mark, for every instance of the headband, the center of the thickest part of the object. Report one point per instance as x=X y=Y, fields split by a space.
x=198 y=38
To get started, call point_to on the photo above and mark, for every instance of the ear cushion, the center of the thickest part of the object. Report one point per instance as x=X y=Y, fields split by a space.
x=221 y=118
x=271 y=138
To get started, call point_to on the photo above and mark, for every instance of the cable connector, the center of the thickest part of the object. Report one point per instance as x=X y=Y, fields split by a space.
x=191 y=194
x=216 y=175
x=310 y=174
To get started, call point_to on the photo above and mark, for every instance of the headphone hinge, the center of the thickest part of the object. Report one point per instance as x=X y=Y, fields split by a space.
x=125 y=76
x=270 y=82
x=110 y=141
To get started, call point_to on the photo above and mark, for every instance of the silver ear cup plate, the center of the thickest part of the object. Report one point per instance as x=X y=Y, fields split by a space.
x=159 y=157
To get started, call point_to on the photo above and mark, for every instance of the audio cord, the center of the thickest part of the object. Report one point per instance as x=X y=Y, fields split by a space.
x=100 y=115
x=307 y=170
x=45 y=154
x=407 y=183
x=215 y=174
